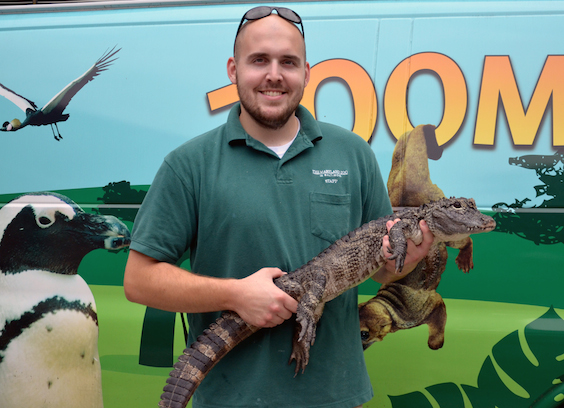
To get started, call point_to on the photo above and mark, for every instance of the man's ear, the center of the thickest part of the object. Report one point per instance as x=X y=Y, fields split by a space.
x=232 y=70
x=307 y=72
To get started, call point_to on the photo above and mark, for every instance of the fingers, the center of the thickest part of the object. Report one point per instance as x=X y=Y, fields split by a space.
x=386 y=239
x=390 y=224
x=262 y=303
x=417 y=252
x=428 y=236
x=279 y=311
x=414 y=253
x=273 y=272
x=291 y=305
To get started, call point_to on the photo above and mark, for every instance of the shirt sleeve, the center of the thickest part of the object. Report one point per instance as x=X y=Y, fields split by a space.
x=166 y=224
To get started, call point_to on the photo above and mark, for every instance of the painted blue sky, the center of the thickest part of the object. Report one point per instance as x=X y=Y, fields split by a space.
x=153 y=98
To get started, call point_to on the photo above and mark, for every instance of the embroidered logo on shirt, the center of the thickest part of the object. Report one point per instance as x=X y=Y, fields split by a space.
x=330 y=176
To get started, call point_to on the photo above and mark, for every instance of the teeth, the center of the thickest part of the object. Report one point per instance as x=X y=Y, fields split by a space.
x=272 y=93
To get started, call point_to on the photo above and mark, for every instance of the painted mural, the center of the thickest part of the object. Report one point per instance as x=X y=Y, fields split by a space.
x=52 y=112
x=48 y=321
x=489 y=109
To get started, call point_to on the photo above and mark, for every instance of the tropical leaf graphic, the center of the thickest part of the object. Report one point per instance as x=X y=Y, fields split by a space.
x=509 y=378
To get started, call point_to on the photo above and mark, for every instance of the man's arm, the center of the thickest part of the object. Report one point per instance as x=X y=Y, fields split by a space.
x=415 y=253
x=167 y=287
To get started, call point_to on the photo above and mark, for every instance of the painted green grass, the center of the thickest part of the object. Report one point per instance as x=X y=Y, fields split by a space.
x=400 y=364
x=125 y=383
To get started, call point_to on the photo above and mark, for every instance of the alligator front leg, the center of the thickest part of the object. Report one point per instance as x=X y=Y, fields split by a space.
x=464 y=259
x=310 y=309
x=398 y=244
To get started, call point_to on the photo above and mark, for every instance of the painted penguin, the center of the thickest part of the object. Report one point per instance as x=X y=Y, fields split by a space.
x=48 y=321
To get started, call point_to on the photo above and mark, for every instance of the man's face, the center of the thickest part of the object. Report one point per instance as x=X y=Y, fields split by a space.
x=270 y=70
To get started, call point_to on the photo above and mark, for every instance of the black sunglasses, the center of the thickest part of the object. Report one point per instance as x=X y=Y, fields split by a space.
x=264 y=11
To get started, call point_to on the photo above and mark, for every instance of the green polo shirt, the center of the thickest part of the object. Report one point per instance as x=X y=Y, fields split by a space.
x=235 y=207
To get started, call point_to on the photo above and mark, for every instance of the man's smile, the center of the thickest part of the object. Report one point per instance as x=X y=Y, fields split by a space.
x=272 y=93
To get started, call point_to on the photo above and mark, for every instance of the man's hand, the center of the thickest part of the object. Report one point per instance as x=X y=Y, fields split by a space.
x=262 y=303
x=415 y=253
x=167 y=287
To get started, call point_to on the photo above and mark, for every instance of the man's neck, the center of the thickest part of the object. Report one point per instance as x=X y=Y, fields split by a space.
x=269 y=137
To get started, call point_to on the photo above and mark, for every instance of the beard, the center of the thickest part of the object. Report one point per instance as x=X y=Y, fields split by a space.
x=272 y=121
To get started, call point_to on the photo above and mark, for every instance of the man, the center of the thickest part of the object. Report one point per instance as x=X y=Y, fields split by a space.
x=251 y=196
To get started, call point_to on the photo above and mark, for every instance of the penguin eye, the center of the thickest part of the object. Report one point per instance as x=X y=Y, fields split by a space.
x=364 y=335
x=44 y=221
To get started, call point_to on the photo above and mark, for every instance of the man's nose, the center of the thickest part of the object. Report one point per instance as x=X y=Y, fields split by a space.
x=274 y=72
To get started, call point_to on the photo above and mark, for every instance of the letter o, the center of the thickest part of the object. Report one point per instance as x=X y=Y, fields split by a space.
x=454 y=89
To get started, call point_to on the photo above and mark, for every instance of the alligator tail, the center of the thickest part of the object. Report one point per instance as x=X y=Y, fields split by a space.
x=197 y=360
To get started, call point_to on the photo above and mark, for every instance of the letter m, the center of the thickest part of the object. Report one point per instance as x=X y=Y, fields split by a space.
x=498 y=83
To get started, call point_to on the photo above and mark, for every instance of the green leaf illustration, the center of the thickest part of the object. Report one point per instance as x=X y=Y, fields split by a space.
x=529 y=375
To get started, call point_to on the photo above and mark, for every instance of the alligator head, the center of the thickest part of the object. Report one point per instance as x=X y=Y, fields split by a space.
x=452 y=219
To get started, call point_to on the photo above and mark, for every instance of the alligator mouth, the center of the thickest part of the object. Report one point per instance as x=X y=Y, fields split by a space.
x=491 y=225
x=469 y=230
x=488 y=226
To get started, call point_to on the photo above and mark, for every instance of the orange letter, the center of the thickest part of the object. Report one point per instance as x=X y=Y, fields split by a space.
x=498 y=81
x=361 y=88
x=454 y=88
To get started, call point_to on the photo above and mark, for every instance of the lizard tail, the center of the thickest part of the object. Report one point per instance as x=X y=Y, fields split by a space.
x=197 y=360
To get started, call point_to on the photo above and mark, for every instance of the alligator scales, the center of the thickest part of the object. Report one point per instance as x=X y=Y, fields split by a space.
x=348 y=262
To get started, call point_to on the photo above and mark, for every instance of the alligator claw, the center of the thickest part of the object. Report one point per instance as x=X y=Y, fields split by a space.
x=300 y=353
x=303 y=340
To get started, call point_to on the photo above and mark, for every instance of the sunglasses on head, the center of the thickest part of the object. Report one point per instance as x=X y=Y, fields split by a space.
x=264 y=11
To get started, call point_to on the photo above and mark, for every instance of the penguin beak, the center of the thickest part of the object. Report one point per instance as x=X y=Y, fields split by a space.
x=118 y=234
x=106 y=231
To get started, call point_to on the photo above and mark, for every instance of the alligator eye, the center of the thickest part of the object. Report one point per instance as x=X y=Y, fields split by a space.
x=364 y=335
x=457 y=204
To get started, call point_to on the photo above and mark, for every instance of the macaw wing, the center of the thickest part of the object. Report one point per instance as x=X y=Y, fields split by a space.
x=21 y=102
x=60 y=101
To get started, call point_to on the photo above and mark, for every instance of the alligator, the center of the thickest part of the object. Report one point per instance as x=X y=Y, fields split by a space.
x=343 y=265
